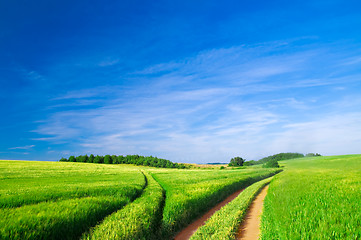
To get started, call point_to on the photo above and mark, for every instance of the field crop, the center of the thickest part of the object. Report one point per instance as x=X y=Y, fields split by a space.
x=70 y=200
x=138 y=220
x=189 y=193
x=225 y=222
x=315 y=198
x=42 y=200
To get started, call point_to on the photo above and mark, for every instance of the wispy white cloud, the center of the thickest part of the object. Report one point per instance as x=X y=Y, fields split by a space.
x=89 y=93
x=332 y=135
x=245 y=100
x=108 y=62
x=22 y=147
x=352 y=61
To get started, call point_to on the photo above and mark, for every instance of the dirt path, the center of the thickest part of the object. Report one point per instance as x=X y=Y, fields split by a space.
x=190 y=229
x=250 y=228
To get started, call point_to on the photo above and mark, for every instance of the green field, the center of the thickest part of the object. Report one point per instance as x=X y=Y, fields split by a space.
x=190 y=193
x=49 y=200
x=315 y=198
x=140 y=219
x=312 y=198
x=62 y=200
x=225 y=222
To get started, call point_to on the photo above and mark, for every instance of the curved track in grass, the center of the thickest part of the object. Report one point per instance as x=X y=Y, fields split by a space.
x=192 y=228
x=250 y=227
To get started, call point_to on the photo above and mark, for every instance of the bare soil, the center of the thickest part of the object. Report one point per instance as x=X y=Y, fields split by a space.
x=250 y=227
x=187 y=232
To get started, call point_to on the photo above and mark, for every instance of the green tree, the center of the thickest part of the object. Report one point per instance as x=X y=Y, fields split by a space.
x=98 y=159
x=121 y=159
x=91 y=158
x=313 y=155
x=236 y=161
x=82 y=158
x=281 y=156
x=250 y=163
x=273 y=163
x=108 y=159
x=72 y=159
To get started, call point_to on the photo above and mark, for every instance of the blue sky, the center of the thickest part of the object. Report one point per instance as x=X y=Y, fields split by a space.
x=189 y=81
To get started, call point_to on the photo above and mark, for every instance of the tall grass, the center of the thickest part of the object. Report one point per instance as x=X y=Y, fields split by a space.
x=225 y=222
x=44 y=200
x=138 y=220
x=315 y=198
x=190 y=193
x=24 y=182
x=91 y=192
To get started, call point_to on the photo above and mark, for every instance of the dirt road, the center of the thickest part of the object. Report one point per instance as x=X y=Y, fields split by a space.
x=250 y=228
x=190 y=229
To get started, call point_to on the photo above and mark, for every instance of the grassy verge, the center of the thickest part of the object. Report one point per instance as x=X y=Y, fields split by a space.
x=190 y=193
x=225 y=222
x=315 y=198
x=138 y=220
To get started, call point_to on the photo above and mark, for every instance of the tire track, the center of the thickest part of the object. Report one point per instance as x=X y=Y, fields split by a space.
x=187 y=232
x=250 y=227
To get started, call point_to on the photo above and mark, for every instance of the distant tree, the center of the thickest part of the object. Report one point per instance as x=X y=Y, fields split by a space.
x=313 y=155
x=129 y=159
x=169 y=164
x=121 y=159
x=82 y=158
x=280 y=157
x=63 y=159
x=182 y=166
x=273 y=163
x=236 y=161
x=250 y=163
x=91 y=158
x=98 y=159
x=108 y=159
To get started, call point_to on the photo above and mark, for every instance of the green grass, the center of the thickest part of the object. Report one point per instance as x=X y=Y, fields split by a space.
x=315 y=198
x=60 y=200
x=190 y=193
x=24 y=182
x=51 y=200
x=138 y=220
x=225 y=222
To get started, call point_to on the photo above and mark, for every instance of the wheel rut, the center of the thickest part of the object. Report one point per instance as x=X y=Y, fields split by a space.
x=138 y=195
x=187 y=232
x=250 y=227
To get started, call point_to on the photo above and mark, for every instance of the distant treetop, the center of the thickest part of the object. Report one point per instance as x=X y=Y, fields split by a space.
x=129 y=159
x=280 y=157
x=236 y=161
x=313 y=155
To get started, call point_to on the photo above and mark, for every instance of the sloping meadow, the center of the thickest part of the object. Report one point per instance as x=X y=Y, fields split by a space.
x=315 y=198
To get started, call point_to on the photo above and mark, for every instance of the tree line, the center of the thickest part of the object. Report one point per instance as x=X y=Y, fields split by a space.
x=129 y=159
x=270 y=161
x=280 y=157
